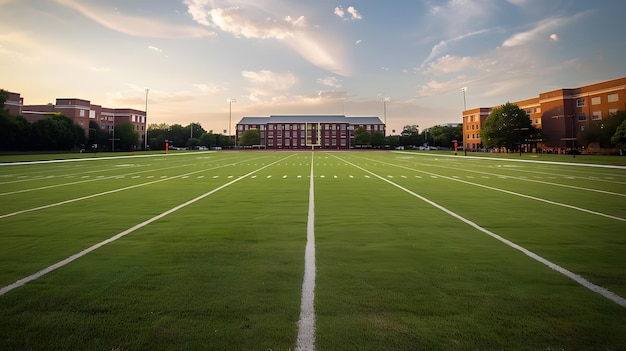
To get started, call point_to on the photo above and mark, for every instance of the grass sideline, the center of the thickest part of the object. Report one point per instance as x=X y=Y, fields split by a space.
x=393 y=272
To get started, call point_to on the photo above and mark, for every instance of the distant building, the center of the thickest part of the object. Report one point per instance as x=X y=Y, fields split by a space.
x=14 y=103
x=81 y=112
x=560 y=114
x=300 y=132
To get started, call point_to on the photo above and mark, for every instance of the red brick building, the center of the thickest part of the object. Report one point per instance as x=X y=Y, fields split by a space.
x=301 y=132
x=560 y=114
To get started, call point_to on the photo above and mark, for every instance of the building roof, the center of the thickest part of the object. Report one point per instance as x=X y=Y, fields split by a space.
x=310 y=119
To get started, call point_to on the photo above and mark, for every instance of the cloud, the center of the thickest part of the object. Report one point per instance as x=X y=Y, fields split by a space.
x=543 y=26
x=253 y=23
x=453 y=64
x=354 y=14
x=442 y=46
x=135 y=26
x=271 y=80
x=155 y=49
x=330 y=82
x=358 y=42
x=554 y=37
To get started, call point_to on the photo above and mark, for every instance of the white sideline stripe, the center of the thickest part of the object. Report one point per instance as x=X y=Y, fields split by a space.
x=577 y=278
x=306 y=324
x=72 y=258
x=22 y=163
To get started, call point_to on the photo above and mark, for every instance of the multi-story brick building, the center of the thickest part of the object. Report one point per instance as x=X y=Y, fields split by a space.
x=14 y=103
x=560 y=114
x=299 y=132
x=83 y=111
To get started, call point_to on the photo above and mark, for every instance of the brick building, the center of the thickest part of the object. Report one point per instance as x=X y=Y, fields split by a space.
x=560 y=114
x=81 y=112
x=300 y=132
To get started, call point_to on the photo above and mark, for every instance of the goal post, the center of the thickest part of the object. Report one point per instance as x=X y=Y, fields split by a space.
x=313 y=134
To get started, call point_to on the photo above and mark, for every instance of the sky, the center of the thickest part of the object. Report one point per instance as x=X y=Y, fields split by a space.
x=405 y=61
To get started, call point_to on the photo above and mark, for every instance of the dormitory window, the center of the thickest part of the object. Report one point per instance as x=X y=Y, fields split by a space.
x=596 y=100
x=580 y=102
x=613 y=98
x=596 y=116
x=529 y=111
x=582 y=117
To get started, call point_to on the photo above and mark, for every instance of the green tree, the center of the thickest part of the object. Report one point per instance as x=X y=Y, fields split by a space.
x=505 y=126
x=619 y=138
x=250 y=137
x=378 y=139
x=208 y=139
x=362 y=136
x=56 y=132
x=127 y=137
x=409 y=135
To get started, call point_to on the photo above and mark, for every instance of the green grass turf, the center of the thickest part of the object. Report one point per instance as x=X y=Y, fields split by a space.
x=393 y=272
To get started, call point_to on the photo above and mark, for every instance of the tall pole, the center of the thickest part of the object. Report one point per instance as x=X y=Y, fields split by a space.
x=145 y=131
x=230 y=115
x=464 y=89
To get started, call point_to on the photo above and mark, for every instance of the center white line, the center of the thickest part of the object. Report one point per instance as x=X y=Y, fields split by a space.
x=306 y=324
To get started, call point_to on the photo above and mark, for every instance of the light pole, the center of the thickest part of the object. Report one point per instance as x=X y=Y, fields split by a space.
x=464 y=89
x=385 y=100
x=145 y=134
x=230 y=115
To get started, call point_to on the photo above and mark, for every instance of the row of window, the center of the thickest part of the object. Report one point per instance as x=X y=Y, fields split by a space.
x=597 y=100
x=474 y=136
x=313 y=126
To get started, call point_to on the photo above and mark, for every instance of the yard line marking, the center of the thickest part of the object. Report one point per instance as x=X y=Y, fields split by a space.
x=163 y=178
x=519 y=194
x=74 y=257
x=306 y=323
x=577 y=278
x=22 y=163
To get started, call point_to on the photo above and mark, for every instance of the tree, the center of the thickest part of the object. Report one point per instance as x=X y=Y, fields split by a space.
x=378 y=139
x=506 y=126
x=56 y=132
x=250 y=137
x=619 y=138
x=362 y=136
x=409 y=135
x=208 y=139
x=128 y=138
x=97 y=136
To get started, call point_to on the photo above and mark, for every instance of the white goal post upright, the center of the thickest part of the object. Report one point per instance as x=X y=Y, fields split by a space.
x=310 y=128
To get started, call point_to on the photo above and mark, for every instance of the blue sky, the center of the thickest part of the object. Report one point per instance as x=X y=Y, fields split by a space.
x=306 y=57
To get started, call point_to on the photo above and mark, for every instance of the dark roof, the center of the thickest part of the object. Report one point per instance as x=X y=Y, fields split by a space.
x=310 y=119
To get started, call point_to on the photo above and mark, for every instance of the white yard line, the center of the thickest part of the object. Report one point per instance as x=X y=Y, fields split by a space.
x=72 y=258
x=577 y=278
x=512 y=193
x=515 y=160
x=306 y=324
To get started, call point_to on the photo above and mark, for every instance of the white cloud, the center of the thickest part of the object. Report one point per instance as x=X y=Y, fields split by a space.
x=358 y=42
x=452 y=64
x=339 y=12
x=554 y=37
x=135 y=26
x=526 y=37
x=442 y=46
x=271 y=80
x=252 y=23
x=355 y=14
x=155 y=49
x=330 y=82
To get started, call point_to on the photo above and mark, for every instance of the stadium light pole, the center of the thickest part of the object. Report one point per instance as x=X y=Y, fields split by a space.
x=464 y=89
x=230 y=115
x=145 y=132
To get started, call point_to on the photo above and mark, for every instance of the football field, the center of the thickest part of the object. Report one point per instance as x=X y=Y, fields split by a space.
x=313 y=250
